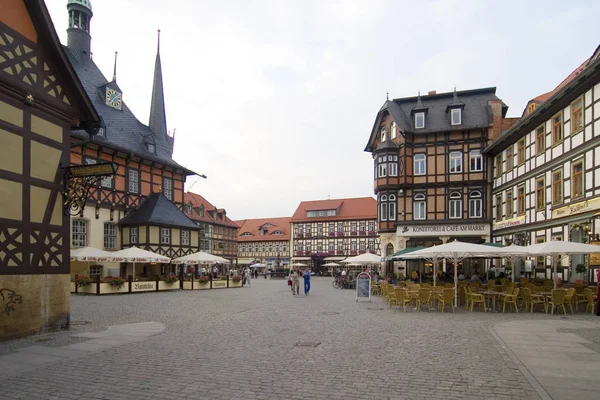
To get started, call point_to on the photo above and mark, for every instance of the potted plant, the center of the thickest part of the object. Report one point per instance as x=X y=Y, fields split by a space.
x=170 y=278
x=580 y=269
x=204 y=279
x=116 y=281
x=81 y=281
x=236 y=278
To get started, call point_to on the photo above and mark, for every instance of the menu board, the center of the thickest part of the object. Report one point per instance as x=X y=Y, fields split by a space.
x=363 y=286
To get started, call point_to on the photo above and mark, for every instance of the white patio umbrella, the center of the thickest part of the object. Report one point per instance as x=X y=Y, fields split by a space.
x=200 y=257
x=558 y=249
x=298 y=265
x=331 y=264
x=258 y=265
x=93 y=254
x=135 y=255
x=365 y=258
x=457 y=251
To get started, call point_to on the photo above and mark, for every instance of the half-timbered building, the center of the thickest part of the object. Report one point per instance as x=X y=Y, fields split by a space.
x=430 y=176
x=265 y=241
x=41 y=100
x=142 y=153
x=546 y=172
x=217 y=231
x=332 y=230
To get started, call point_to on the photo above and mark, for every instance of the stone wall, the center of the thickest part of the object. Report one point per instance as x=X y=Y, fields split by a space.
x=32 y=304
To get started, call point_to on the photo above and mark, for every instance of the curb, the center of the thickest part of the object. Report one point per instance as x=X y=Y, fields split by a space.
x=522 y=368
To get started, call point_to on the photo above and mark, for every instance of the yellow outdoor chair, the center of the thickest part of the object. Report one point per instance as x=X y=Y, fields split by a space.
x=569 y=297
x=536 y=299
x=511 y=299
x=402 y=298
x=447 y=299
x=424 y=298
x=589 y=295
x=375 y=289
x=477 y=298
x=558 y=300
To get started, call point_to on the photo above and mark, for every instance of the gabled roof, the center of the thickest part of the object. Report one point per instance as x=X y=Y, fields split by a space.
x=476 y=113
x=46 y=34
x=198 y=201
x=156 y=209
x=348 y=209
x=124 y=132
x=253 y=226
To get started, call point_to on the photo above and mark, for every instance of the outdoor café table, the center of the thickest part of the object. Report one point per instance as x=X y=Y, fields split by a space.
x=493 y=294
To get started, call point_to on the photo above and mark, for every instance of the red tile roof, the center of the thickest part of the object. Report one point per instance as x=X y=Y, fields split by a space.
x=356 y=208
x=253 y=226
x=198 y=201
x=544 y=97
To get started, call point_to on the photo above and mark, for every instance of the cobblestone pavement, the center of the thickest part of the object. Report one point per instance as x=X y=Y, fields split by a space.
x=240 y=344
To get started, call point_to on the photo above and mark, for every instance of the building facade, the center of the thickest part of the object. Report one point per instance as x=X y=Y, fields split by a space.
x=41 y=100
x=265 y=241
x=142 y=153
x=546 y=173
x=218 y=233
x=332 y=230
x=430 y=175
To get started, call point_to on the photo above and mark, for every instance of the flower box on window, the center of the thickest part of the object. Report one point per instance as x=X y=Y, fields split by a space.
x=308 y=235
x=299 y=253
x=362 y=233
x=372 y=233
x=362 y=251
x=300 y=235
x=331 y=234
x=353 y=252
x=340 y=233
x=340 y=252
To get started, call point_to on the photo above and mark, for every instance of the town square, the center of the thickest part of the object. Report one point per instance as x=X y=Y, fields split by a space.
x=301 y=199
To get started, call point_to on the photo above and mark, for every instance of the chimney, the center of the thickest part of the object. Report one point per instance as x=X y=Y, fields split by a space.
x=431 y=92
x=496 y=128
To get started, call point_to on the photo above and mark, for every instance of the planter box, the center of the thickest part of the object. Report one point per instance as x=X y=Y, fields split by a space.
x=221 y=284
x=162 y=285
x=107 y=288
x=187 y=285
x=233 y=284
x=72 y=285
x=143 y=286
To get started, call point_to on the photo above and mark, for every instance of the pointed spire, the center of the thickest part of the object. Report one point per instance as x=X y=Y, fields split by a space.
x=115 y=68
x=419 y=107
x=387 y=95
x=456 y=103
x=158 y=119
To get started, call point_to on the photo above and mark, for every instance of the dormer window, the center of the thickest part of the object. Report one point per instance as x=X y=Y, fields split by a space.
x=382 y=132
x=246 y=234
x=151 y=148
x=419 y=120
x=456 y=116
x=394 y=130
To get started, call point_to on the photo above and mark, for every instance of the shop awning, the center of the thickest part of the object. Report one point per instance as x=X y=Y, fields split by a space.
x=398 y=255
x=301 y=258
x=335 y=258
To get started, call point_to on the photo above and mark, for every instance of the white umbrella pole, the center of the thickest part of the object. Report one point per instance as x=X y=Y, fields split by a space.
x=554 y=262
x=513 y=262
x=133 y=271
x=455 y=283
x=434 y=271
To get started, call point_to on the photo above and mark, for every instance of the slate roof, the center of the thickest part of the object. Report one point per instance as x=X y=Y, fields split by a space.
x=387 y=144
x=124 y=132
x=253 y=226
x=348 y=209
x=198 y=201
x=156 y=209
x=476 y=112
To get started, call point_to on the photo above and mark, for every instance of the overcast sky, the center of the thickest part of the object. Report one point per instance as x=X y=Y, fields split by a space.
x=274 y=100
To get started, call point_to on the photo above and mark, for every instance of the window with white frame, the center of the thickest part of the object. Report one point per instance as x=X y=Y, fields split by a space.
x=475 y=161
x=456 y=116
x=419 y=206
x=382 y=167
x=353 y=246
x=185 y=238
x=455 y=162
x=165 y=236
x=420 y=120
x=394 y=128
x=382 y=133
x=133 y=235
x=383 y=207
x=420 y=167
x=393 y=166
x=284 y=248
x=371 y=245
x=168 y=188
x=455 y=205
x=110 y=235
x=475 y=204
x=79 y=238
x=371 y=226
x=392 y=207
x=133 y=185
x=95 y=270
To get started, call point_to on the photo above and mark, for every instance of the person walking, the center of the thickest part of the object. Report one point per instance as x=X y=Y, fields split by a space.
x=247 y=275
x=306 y=281
x=295 y=281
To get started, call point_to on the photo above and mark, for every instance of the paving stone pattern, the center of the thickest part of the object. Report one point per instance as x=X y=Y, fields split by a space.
x=241 y=344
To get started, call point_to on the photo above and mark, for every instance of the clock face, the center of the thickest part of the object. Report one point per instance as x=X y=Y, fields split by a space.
x=113 y=98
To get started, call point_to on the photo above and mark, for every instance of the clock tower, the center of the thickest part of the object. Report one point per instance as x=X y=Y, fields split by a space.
x=78 y=33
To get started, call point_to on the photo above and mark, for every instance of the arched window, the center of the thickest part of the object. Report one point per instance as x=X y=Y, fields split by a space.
x=475 y=204
x=383 y=210
x=382 y=133
x=393 y=129
x=392 y=207
x=419 y=206
x=455 y=205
